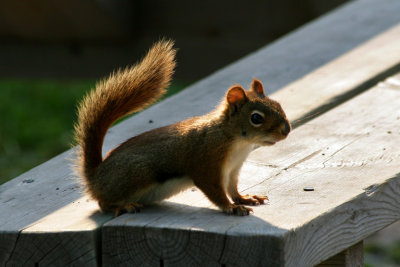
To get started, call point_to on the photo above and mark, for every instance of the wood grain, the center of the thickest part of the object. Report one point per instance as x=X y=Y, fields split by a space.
x=348 y=155
x=303 y=99
x=68 y=237
x=351 y=257
x=47 y=215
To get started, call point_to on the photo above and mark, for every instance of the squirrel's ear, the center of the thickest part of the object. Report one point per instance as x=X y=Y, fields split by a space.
x=236 y=95
x=257 y=87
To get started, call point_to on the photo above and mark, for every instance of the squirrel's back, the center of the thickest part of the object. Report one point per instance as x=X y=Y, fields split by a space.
x=124 y=92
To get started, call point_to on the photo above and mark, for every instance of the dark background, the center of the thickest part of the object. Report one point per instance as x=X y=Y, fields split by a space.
x=53 y=51
x=88 y=39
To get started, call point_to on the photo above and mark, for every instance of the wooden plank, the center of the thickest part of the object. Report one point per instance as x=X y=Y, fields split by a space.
x=179 y=234
x=342 y=78
x=303 y=99
x=352 y=257
x=33 y=200
x=348 y=155
x=354 y=162
x=46 y=218
x=62 y=238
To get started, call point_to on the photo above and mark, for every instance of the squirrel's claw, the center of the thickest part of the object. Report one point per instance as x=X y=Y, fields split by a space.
x=239 y=210
x=254 y=200
x=128 y=208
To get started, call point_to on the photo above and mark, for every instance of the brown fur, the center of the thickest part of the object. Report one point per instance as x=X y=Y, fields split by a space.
x=124 y=92
x=207 y=151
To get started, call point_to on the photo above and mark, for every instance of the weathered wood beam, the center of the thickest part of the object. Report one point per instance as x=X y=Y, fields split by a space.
x=36 y=200
x=348 y=155
x=309 y=71
x=351 y=257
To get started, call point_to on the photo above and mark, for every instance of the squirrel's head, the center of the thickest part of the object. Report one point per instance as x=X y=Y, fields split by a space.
x=254 y=116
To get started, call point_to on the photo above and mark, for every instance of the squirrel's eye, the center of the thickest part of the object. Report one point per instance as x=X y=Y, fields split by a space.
x=256 y=119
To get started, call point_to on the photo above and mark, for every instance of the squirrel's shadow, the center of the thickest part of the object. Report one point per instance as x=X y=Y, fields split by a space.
x=177 y=216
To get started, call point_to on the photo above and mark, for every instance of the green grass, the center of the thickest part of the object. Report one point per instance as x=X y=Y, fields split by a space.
x=37 y=119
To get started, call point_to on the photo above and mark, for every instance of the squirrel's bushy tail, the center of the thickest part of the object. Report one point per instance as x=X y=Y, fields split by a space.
x=124 y=92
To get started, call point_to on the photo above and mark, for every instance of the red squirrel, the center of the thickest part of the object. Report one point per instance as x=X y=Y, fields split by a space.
x=206 y=151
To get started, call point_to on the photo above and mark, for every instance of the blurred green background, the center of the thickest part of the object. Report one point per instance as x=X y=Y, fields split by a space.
x=39 y=120
x=52 y=52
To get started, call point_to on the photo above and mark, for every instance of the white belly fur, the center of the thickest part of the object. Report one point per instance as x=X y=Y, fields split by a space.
x=165 y=190
x=237 y=155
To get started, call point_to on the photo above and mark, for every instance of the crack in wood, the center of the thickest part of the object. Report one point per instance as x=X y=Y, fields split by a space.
x=340 y=149
x=44 y=254
x=263 y=181
x=223 y=249
x=302 y=160
x=70 y=263
x=13 y=250
x=224 y=246
x=283 y=169
x=344 y=97
x=370 y=190
x=8 y=200
x=262 y=164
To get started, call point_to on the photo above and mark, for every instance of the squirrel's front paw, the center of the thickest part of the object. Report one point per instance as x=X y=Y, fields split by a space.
x=128 y=208
x=239 y=210
x=250 y=200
